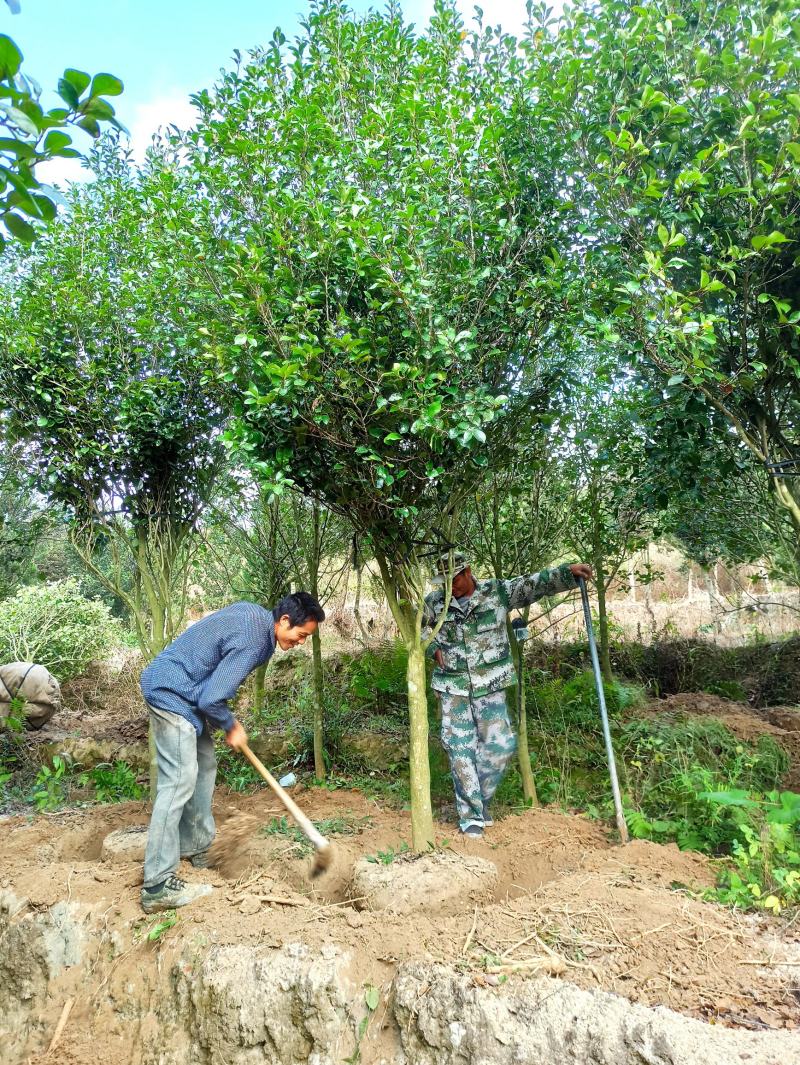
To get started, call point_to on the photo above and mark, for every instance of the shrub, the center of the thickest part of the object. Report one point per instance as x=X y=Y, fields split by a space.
x=57 y=627
x=112 y=783
x=765 y=868
x=564 y=704
x=669 y=767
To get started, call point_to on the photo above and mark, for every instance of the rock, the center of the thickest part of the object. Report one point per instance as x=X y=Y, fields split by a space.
x=250 y=905
x=445 y=1020
x=439 y=881
x=35 y=948
x=274 y=747
x=102 y=876
x=125 y=845
x=284 y=1007
x=89 y=751
x=374 y=749
x=354 y=920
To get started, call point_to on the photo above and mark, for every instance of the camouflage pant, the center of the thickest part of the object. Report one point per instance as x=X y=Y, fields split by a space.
x=480 y=742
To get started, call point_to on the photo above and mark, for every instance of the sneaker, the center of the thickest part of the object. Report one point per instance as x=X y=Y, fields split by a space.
x=172 y=894
x=487 y=821
x=474 y=831
x=199 y=860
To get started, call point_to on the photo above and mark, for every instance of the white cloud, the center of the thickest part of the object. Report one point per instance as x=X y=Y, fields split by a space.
x=173 y=109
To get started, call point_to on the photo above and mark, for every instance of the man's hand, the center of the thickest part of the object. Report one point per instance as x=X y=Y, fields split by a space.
x=438 y=658
x=581 y=569
x=236 y=737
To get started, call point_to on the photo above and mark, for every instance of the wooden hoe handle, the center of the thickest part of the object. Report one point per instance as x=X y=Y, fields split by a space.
x=303 y=822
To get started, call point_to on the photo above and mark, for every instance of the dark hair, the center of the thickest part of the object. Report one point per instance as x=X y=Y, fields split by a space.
x=300 y=607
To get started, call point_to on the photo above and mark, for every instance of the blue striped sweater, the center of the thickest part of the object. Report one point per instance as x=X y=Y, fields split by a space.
x=204 y=667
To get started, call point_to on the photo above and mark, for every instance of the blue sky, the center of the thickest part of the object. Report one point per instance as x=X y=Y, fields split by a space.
x=165 y=49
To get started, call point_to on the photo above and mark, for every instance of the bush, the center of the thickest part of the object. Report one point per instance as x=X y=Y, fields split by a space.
x=112 y=783
x=57 y=627
x=564 y=704
x=668 y=768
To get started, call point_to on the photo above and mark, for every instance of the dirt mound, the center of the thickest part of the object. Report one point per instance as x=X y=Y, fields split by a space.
x=439 y=882
x=617 y=925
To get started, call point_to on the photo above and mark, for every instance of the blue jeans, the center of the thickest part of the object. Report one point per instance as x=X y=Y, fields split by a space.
x=181 y=823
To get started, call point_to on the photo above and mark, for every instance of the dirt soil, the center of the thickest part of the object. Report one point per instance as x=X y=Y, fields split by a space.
x=569 y=903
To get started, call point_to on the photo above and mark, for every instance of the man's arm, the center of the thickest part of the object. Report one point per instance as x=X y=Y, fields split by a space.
x=522 y=591
x=224 y=683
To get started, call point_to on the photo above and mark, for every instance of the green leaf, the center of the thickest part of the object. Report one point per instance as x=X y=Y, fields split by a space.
x=78 y=79
x=21 y=120
x=19 y=228
x=97 y=108
x=106 y=85
x=55 y=141
x=10 y=57
x=676 y=379
x=769 y=240
x=90 y=125
x=68 y=94
x=372 y=997
x=734 y=797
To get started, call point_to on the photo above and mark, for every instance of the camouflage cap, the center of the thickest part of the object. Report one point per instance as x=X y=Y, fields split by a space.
x=460 y=563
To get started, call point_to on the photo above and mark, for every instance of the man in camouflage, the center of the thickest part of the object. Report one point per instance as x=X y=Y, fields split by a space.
x=473 y=668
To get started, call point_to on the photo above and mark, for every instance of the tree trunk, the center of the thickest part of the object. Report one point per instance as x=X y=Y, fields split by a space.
x=419 y=762
x=523 y=754
x=598 y=562
x=408 y=618
x=258 y=688
x=605 y=650
x=319 y=694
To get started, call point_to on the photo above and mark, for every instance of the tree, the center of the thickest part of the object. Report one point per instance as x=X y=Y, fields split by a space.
x=256 y=553
x=22 y=520
x=316 y=536
x=103 y=366
x=30 y=135
x=682 y=128
x=606 y=431
x=710 y=495
x=386 y=214
x=516 y=525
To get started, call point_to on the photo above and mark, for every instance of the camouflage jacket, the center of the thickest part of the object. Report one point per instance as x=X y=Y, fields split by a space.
x=474 y=641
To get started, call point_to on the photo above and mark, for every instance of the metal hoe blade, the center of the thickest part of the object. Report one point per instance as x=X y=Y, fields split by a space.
x=598 y=679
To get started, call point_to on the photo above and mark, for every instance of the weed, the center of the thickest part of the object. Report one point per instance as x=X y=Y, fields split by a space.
x=388 y=856
x=112 y=783
x=728 y=689
x=765 y=869
x=50 y=786
x=372 y=998
x=235 y=771
x=153 y=931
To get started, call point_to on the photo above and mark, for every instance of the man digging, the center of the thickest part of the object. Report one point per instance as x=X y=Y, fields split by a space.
x=187 y=688
x=473 y=669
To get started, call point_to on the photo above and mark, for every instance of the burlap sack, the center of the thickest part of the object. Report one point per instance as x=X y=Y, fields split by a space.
x=36 y=685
